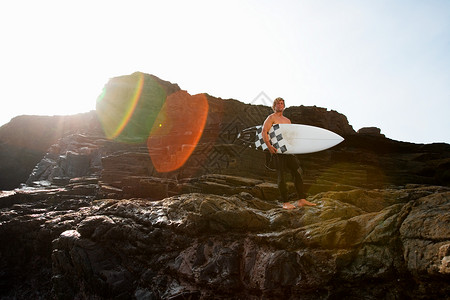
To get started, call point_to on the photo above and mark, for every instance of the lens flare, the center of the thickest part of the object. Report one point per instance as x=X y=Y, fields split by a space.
x=131 y=107
x=128 y=107
x=177 y=130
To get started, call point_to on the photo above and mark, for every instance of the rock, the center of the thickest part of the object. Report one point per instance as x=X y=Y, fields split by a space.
x=363 y=160
x=370 y=131
x=320 y=117
x=73 y=156
x=444 y=257
x=234 y=246
x=426 y=228
x=25 y=140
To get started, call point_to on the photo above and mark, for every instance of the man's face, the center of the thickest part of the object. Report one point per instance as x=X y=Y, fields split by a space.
x=279 y=106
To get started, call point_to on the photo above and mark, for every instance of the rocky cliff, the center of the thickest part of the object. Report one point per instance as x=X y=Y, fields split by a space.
x=26 y=139
x=99 y=219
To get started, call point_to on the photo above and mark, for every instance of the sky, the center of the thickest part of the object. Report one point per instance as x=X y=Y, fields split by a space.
x=383 y=63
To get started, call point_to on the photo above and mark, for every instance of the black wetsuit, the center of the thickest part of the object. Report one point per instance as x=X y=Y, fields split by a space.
x=283 y=163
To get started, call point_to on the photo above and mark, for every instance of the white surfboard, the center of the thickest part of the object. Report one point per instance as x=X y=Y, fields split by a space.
x=292 y=138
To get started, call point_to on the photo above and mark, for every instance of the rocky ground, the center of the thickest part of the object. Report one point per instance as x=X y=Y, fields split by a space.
x=375 y=244
x=93 y=217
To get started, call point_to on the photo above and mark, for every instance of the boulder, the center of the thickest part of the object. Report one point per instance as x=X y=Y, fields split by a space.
x=375 y=131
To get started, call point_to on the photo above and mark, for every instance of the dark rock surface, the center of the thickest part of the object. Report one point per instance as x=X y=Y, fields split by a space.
x=97 y=220
x=370 y=131
x=379 y=244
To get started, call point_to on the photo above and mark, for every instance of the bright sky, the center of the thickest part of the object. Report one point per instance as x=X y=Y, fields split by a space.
x=382 y=63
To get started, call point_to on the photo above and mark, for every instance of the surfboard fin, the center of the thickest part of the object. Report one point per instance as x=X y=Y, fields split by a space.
x=247 y=136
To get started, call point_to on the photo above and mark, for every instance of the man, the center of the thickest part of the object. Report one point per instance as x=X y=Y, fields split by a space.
x=284 y=162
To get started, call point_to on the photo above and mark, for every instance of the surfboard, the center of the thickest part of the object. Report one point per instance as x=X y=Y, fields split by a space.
x=292 y=138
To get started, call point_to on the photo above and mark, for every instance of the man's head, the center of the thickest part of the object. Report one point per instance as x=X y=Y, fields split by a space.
x=275 y=103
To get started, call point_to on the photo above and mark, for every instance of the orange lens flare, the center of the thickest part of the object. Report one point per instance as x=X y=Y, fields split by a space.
x=177 y=130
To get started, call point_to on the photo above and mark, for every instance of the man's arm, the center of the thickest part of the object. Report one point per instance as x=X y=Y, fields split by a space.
x=266 y=127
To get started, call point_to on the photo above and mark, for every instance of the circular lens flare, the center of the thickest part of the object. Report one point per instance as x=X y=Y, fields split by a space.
x=177 y=130
x=128 y=107
x=131 y=107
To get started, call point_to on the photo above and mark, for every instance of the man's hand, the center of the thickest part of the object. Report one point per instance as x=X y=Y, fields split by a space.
x=272 y=149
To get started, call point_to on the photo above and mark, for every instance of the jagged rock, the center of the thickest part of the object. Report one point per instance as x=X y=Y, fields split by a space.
x=371 y=131
x=206 y=245
x=426 y=228
x=75 y=155
x=321 y=117
x=25 y=140
x=362 y=160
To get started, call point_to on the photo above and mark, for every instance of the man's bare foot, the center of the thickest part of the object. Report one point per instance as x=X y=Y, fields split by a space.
x=288 y=205
x=304 y=202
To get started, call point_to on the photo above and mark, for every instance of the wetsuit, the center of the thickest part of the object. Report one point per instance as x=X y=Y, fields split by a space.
x=283 y=163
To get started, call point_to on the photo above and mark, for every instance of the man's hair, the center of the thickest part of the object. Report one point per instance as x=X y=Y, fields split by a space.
x=276 y=101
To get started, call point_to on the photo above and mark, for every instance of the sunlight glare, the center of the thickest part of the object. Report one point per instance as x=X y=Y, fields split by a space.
x=179 y=127
x=128 y=107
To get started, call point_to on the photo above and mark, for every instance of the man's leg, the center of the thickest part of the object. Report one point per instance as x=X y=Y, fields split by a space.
x=282 y=187
x=294 y=167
